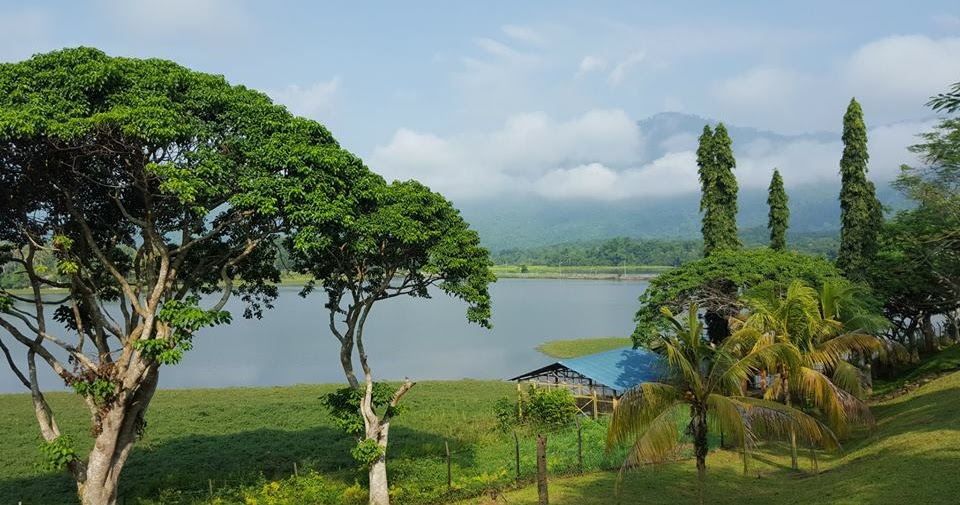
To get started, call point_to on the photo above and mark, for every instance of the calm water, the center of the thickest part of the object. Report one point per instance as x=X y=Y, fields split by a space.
x=422 y=339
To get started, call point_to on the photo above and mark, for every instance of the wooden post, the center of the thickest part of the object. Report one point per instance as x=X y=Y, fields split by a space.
x=542 y=470
x=210 y=486
x=516 y=445
x=595 y=411
x=295 y=472
x=449 y=475
x=519 y=402
x=579 y=445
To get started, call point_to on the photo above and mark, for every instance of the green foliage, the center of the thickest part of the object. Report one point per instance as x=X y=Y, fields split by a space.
x=312 y=488
x=537 y=409
x=100 y=390
x=58 y=454
x=717 y=281
x=718 y=199
x=861 y=214
x=367 y=452
x=183 y=317
x=779 y=215
x=344 y=406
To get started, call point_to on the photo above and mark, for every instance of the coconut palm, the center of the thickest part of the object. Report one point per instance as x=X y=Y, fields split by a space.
x=827 y=329
x=703 y=385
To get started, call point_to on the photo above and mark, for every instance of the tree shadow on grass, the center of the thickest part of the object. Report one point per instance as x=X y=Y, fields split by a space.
x=192 y=463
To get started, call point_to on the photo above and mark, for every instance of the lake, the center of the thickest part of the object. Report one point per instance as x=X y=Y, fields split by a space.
x=404 y=337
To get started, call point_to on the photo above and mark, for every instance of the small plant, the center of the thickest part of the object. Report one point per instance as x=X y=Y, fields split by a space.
x=366 y=452
x=58 y=454
x=540 y=408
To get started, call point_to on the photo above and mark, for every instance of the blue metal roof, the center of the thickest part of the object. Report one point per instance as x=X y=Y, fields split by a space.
x=619 y=369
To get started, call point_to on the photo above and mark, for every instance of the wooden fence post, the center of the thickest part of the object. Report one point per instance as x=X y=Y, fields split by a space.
x=296 y=473
x=449 y=473
x=579 y=445
x=595 y=406
x=516 y=445
x=542 y=470
x=210 y=487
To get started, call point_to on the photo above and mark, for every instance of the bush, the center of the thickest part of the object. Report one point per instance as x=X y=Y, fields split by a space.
x=548 y=409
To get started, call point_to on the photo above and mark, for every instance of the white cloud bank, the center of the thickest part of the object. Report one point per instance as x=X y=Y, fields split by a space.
x=601 y=155
x=315 y=101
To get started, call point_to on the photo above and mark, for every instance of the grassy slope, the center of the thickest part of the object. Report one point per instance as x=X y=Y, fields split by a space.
x=913 y=457
x=582 y=346
x=946 y=360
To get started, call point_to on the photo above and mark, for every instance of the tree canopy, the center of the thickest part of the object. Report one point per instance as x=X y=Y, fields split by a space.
x=716 y=282
x=153 y=186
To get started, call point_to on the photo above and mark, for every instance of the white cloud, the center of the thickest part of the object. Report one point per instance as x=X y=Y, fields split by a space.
x=600 y=155
x=619 y=72
x=512 y=157
x=591 y=64
x=315 y=101
x=947 y=21
x=173 y=18
x=760 y=87
x=522 y=34
x=896 y=75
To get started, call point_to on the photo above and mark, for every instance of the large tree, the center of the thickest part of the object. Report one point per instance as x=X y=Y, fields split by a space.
x=158 y=191
x=917 y=267
x=779 y=215
x=400 y=240
x=718 y=199
x=861 y=214
x=716 y=283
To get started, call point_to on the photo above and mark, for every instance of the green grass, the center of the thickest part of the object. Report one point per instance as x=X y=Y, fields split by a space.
x=946 y=360
x=582 y=346
x=913 y=457
x=240 y=438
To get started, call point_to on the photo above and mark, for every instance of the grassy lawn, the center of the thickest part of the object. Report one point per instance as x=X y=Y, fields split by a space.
x=239 y=440
x=582 y=346
x=243 y=437
x=913 y=457
x=946 y=360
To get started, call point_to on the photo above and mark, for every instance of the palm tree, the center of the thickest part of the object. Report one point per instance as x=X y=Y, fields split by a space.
x=827 y=329
x=703 y=385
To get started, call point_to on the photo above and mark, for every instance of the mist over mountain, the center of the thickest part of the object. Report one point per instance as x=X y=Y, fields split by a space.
x=809 y=163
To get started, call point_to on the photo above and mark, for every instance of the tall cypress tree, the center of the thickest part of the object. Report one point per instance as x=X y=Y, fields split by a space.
x=718 y=200
x=779 y=215
x=861 y=214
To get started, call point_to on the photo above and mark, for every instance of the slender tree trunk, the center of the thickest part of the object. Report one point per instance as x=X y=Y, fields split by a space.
x=379 y=487
x=346 y=361
x=929 y=335
x=785 y=377
x=700 y=448
x=97 y=485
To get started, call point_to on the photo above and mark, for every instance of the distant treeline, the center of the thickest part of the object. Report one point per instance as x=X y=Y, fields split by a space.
x=656 y=251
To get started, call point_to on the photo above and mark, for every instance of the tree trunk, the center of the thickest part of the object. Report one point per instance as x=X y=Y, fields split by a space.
x=118 y=424
x=378 y=429
x=929 y=335
x=785 y=377
x=700 y=448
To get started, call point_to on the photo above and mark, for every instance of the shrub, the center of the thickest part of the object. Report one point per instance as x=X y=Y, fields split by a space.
x=548 y=409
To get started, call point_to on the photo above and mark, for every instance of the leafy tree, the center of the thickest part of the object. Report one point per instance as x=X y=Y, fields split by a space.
x=704 y=385
x=827 y=328
x=918 y=265
x=779 y=216
x=152 y=186
x=861 y=214
x=717 y=282
x=400 y=239
x=718 y=199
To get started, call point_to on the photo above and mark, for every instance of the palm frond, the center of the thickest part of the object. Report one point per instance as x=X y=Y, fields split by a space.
x=775 y=420
x=638 y=409
x=660 y=440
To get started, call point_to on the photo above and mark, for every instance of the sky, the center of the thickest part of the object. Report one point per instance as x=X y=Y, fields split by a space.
x=542 y=97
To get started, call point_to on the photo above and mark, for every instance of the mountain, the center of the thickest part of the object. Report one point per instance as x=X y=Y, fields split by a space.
x=533 y=221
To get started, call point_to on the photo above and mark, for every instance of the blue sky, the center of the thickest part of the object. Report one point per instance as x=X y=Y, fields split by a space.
x=480 y=98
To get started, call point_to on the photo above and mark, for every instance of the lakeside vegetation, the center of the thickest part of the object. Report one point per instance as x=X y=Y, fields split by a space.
x=582 y=346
